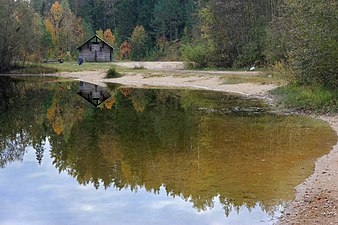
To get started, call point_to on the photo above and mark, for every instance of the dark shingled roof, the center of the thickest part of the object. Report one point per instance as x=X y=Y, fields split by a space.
x=95 y=35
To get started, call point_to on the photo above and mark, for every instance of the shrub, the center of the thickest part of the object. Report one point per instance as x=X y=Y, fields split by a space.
x=112 y=73
x=196 y=56
x=251 y=56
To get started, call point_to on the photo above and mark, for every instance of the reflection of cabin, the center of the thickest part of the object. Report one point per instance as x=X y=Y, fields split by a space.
x=93 y=93
x=96 y=50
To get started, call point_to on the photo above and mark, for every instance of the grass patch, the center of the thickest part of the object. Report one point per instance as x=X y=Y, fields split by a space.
x=75 y=67
x=34 y=69
x=257 y=79
x=224 y=69
x=305 y=98
x=112 y=73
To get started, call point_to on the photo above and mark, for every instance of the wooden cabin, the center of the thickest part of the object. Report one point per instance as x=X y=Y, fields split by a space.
x=96 y=50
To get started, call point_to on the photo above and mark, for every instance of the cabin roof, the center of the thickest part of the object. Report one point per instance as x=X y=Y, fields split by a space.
x=95 y=35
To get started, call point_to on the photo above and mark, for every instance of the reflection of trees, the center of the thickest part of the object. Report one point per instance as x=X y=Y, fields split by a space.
x=23 y=110
x=165 y=139
x=186 y=141
x=21 y=119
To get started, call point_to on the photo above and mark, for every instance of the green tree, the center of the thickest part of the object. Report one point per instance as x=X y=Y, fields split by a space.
x=139 y=42
x=168 y=19
x=308 y=42
x=233 y=32
x=66 y=30
x=20 y=33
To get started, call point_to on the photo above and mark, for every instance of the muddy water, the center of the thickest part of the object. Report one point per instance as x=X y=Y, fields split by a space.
x=72 y=153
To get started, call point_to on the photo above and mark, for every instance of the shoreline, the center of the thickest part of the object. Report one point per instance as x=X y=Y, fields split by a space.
x=316 y=198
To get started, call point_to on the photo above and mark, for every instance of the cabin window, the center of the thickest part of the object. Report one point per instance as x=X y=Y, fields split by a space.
x=90 y=48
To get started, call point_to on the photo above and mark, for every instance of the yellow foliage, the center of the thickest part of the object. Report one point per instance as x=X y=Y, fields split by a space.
x=50 y=28
x=57 y=126
x=109 y=37
x=56 y=12
x=108 y=104
x=51 y=111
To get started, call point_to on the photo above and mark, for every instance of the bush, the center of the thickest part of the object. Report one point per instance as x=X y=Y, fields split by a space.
x=112 y=73
x=251 y=56
x=196 y=56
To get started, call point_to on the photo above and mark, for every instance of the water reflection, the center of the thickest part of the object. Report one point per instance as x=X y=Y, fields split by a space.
x=93 y=93
x=190 y=144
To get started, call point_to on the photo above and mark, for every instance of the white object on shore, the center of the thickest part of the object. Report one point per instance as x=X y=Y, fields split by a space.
x=252 y=68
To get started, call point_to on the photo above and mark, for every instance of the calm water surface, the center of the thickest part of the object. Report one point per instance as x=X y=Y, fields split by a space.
x=73 y=153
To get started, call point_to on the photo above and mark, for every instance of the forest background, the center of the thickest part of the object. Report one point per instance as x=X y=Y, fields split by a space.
x=298 y=39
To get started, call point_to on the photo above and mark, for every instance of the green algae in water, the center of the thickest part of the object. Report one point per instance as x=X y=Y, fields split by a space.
x=198 y=145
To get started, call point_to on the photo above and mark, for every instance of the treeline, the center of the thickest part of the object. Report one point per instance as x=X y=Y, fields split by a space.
x=298 y=38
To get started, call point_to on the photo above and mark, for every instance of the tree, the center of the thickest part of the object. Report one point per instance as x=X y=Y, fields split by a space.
x=65 y=29
x=139 y=39
x=168 y=19
x=233 y=32
x=20 y=33
x=126 y=17
x=125 y=49
x=306 y=35
x=99 y=32
x=109 y=37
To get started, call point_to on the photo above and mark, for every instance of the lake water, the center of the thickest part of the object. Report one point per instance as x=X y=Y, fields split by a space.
x=75 y=153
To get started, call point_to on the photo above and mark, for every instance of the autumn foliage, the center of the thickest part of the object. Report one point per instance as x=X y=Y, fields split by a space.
x=65 y=29
x=109 y=37
x=125 y=49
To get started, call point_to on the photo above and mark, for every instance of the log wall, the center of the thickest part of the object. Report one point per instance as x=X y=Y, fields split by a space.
x=96 y=52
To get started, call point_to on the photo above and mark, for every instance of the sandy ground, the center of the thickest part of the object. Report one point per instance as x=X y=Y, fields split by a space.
x=145 y=80
x=316 y=200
